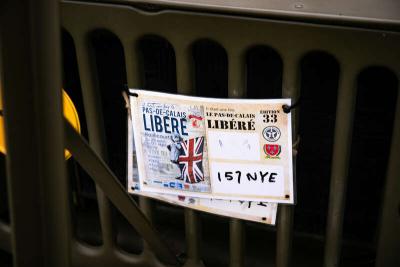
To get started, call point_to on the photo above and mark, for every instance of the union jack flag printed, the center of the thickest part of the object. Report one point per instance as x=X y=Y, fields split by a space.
x=191 y=160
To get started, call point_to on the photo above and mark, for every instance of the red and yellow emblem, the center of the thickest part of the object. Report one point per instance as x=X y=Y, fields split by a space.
x=272 y=151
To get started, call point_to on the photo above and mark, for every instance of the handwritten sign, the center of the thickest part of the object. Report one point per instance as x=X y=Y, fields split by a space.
x=261 y=212
x=234 y=149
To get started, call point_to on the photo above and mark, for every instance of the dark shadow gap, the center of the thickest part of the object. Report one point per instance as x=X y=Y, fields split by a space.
x=85 y=216
x=377 y=89
x=159 y=68
x=4 y=204
x=158 y=64
x=211 y=69
x=111 y=73
x=6 y=259
x=264 y=73
x=319 y=83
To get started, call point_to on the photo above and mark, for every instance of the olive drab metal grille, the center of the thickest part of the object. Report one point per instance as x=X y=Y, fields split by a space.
x=348 y=122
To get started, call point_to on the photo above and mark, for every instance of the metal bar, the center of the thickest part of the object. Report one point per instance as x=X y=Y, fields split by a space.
x=236 y=89
x=135 y=78
x=389 y=241
x=5 y=237
x=5 y=229
x=146 y=205
x=95 y=124
x=236 y=73
x=193 y=233
x=237 y=243
x=284 y=235
x=290 y=89
x=133 y=63
x=340 y=161
x=310 y=12
x=184 y=68
x=37 y=183
x=113 y=190
x=106 y=221
x=133 y=60
x=185 y=85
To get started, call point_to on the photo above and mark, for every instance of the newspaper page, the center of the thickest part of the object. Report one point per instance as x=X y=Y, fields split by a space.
x=261 y=212
x=234 y=149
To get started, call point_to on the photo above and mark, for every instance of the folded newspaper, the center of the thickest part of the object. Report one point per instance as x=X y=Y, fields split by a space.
x=262 y=212
x=227 y=156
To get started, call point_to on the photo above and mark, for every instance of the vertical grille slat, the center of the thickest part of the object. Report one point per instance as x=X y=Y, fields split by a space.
x=106 y=223
x=340 y=162
x=91 y=93
x=185 y=85
x=85 y=206
x=132 y=62
x=36 y=174
x=236 y=242
x=236 y=89
x=284 y=236
x=147 y=207
x=184 y=68
x=5 y=228
x=193 y=240
x=290 y=89
x=95 y=124
x=5 y=237
x=236 y=72
x=110 y=63
x=135 y=78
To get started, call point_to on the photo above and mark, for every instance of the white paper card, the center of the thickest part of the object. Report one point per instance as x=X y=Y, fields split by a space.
x=234 y=149
x=261 y=212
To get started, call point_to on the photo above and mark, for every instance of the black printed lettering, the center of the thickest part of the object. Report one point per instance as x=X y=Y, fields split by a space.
x=263 y=175
x=272 y=177
x=249 y=176
x=239 y=175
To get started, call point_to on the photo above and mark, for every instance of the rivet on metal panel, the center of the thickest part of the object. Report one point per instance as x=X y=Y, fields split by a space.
x=287 y=108
x=298 y=5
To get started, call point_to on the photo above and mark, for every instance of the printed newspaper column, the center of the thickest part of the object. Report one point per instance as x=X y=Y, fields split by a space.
x=213 y=148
